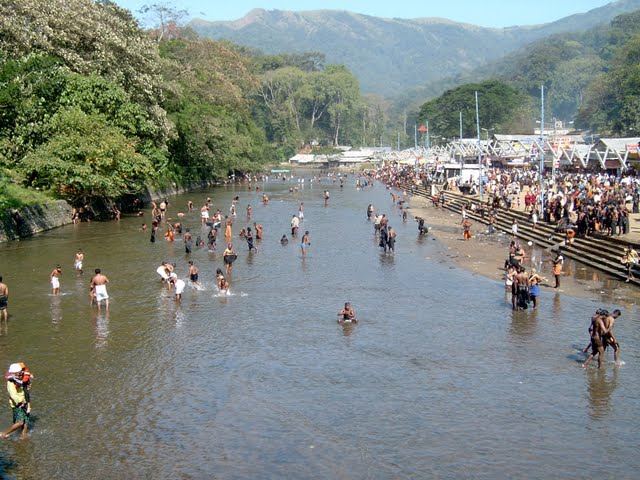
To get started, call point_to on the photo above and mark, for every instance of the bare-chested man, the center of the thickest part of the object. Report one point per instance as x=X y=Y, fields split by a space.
x=55 y=280
x=99 y=286
x=521 y=282
x=608 y=339
x=597 y=330
x=78 y=261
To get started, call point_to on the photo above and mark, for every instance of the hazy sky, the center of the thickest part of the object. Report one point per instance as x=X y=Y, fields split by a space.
x=488 y=13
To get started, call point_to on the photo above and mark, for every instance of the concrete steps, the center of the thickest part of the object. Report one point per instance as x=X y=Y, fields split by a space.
x=600 y=252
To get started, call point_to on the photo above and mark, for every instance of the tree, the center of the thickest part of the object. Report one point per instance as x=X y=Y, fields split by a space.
x=498 y=103
x=86 y=159
x=89 y=38
x=167 y=21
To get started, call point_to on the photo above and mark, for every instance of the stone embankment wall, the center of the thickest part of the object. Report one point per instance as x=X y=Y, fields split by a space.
x=162 y=193
x=23 y=222
x=27 y=221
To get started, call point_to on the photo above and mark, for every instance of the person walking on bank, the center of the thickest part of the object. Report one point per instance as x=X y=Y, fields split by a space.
x=18 y=388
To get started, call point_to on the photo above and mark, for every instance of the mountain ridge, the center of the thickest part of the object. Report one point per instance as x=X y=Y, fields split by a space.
x=392 y=55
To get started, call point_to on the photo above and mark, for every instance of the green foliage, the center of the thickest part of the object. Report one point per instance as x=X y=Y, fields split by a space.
x=212 y=86
x=86 y=157
x=498 y=103
x=16 y=196
x=299 y=107
x=89 y=38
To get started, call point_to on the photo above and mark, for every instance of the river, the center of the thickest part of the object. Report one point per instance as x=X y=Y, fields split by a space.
x=440 y=379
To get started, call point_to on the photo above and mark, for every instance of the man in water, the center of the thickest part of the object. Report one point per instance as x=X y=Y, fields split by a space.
x=258 y=228
x=249 y=238
x=179 y=284
x=284 y=240
x=193 y=272
x=4 y=298
x=608 y=339
x=347 y=314
x=391 y=240
x=597 y=330
x=295 y=224
x=99 y=286
x=421 y=228
x=19 y=400
x=521 y=281
x=55 y=280
x=188 y=241
x=78 y=261
x=223 y=284
x=162 y=271
x=229 y=257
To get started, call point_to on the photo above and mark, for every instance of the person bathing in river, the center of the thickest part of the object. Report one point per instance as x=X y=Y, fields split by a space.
x=347 y=314
x=223 y=284
x=78 y=262
x=193 y=272
x=249 y=238
x=55 y=280
x=99 y=287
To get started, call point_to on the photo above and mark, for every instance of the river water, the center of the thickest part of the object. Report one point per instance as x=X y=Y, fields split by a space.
x=440 y=379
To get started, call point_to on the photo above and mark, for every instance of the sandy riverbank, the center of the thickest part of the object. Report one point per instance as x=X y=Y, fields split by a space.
x=485 y=255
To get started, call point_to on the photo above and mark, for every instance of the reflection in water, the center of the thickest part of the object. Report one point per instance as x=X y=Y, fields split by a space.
x=101 y=322
x=387 y=259
x=523 y=322
x=56 y=309
x=601 y=384
x=556 y=305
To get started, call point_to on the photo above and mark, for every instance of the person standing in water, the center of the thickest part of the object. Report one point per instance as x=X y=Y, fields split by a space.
x=193 y=272
x=77 y=264
x=99 y=287
x=229 y=257
x=295 y=224
x=347 y=314
x=223 y=284
x=4 y=298
x=55 y=280
x=301 y=212
x=305 y=243
x=179 y=284
x=188 y=241
x=249 y=238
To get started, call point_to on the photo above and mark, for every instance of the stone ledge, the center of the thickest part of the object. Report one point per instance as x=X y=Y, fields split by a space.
x=26 y=221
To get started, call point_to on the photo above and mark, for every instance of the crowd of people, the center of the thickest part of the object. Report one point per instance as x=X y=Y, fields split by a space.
x=595 y=203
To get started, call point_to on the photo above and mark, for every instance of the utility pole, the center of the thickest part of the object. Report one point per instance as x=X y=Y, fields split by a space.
x=542 y=150
x=479 y=147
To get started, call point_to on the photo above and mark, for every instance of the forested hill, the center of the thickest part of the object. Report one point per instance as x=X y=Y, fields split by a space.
x=390 y=55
